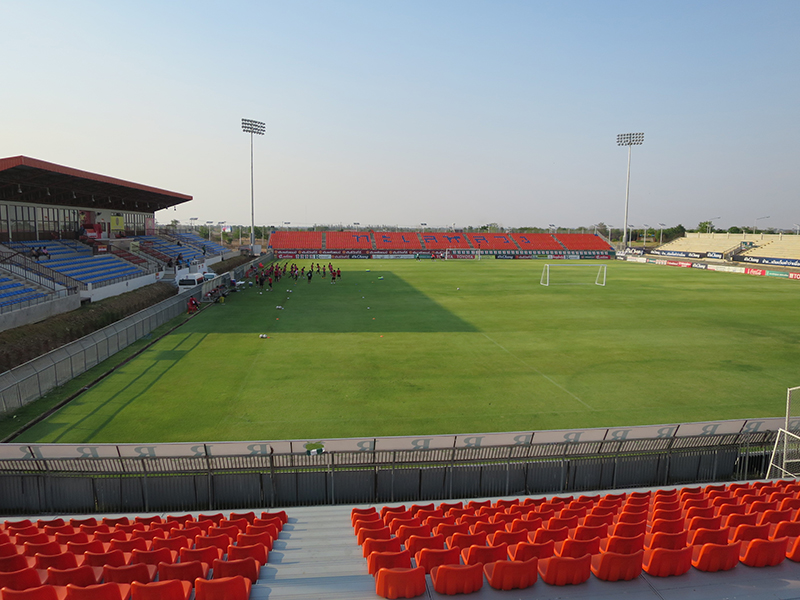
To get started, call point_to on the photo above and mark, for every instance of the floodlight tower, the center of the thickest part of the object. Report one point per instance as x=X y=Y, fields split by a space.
x=253 y=128
x=755 y=223
x=661 y=239
x=628 y=139
x=645 y=227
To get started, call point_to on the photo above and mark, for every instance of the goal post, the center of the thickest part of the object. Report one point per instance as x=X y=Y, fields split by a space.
x=577 y=279
x=785 y=459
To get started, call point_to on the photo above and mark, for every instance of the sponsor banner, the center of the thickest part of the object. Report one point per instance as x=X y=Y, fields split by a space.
x=709 y=428
x=465 y=256
x=353 y=251
x=293 y=255
x=15 y=452
x=775 y=262
x=750 y=271
x=714 y=255
x=676 y=263
x=794 y=275
x=569 y=435
x=603 y=257
x=778 y=274
x=699 y=266
x=358 y=256
x=637 y=259
x=677 y=253
x=523 y=256
x=384 y=256
x=505 y=256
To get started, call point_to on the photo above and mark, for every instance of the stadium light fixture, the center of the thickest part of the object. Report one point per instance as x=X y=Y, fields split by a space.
x=356 y=223
x=610 y=229
x=628 y=139
x=797 y=228
x=209 y=224
x=552 y=227
x=645 y=226
x=253 y=128
x=755 y=222
x=192 y=222
x=661 y=238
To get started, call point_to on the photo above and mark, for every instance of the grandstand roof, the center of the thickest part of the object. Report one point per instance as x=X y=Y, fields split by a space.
x=24 y=179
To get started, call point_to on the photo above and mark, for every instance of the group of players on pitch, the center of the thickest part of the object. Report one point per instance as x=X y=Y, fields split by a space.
x=275 y=272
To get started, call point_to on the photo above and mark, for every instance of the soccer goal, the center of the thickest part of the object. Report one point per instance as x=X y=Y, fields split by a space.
x=462 y=254
x=573 y=276
x=785 y=459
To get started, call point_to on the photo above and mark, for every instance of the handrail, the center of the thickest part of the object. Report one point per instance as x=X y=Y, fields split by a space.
x=21 y=265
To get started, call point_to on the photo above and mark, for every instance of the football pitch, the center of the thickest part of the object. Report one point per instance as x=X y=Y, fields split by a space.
x=401 y=347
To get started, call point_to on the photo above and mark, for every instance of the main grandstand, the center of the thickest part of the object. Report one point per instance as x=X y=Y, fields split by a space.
x=411 y=244
x=68 y=236
x=645 y=512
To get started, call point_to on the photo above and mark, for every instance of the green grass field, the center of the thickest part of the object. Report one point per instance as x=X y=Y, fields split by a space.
x=656 y=345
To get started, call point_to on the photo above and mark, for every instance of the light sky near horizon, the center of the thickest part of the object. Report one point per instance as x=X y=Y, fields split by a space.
x=439 y=111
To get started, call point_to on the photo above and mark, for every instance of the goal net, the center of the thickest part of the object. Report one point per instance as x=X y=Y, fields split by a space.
x=461 y=254
x=573 y=274
x=785 y=459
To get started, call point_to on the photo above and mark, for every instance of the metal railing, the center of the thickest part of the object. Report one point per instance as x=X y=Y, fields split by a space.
x=34 y=485
x=19 y=264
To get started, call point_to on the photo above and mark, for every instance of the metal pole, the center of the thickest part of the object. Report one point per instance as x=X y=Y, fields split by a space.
x=252 y=200
x=627 y=195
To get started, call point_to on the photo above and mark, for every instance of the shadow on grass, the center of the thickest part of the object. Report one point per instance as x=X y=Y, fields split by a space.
x=359 y=302
x=90 y=423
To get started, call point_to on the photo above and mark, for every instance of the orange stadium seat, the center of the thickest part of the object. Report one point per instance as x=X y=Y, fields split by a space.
x=348 y=240
x=246 y=567
x=457 y=579
x=225 y=588
x=508 y=575
x=563 y=570
x=171 y=589
x=296 y=240
x=667 y=562
x=388 y=560
x=491 y=241
x=443 y=241
x=611 y=566
x=400 y=583
x=537 y=241
x=429 y=557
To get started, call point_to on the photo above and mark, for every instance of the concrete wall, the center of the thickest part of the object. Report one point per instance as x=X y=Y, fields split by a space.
x=39 y=312
x=115 y=289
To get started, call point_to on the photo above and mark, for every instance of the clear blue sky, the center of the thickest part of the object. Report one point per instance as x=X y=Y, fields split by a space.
x=399 y=112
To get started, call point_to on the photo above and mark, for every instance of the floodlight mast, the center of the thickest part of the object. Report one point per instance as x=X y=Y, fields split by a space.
x=628 y=139
x=258 y=128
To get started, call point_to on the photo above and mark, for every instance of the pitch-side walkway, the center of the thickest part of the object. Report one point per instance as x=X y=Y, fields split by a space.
x=317 y=557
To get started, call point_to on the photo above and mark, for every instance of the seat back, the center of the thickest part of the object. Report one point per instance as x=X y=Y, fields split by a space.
x=183 y=571
x=128 y=573
x=577 y=548
x=484 y=554
x=43 y=592
x=245 y=567
x=370 y=545
x=511 y=575
x=716 y=557
x=400 y=582
x=465 y=540
x=171 y=589
x=62 y=560
x=83 y=576
x=527 y=550
x=427 y=558
x=415 y=543
x=102 y=591
x=612 y=566
x=764 y=553
x=666 y=562
x=623 y=545
x=662 y=539
x=21 y=579
x=745 y=533
x=709 y=536
x=564 y=570
x=388 y=560
x=545 y=533
x=224 y=588
x=257 y=551
x=152 y=557
x=457 y=579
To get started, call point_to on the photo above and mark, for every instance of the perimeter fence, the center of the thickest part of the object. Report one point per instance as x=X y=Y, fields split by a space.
x=35 y=485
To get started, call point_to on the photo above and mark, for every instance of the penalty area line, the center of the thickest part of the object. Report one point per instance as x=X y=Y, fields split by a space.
x=537 y=371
